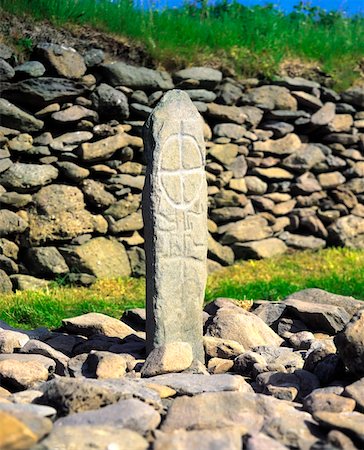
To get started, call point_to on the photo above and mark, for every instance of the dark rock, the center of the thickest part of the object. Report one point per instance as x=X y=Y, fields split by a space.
x=110 y=103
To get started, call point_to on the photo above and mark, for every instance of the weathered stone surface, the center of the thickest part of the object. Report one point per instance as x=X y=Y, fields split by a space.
x=11 y=115
x=351 y=423
x=302 y=242
x=12 y=340
x=136 y=77
x=243 y=327
x=170 y=357
x=320 y=317
x=110 y=103
x=225 y=154
x=39 y=92
x=270 y=97
x=71 y=395
x=32 y=69
x=249 y=229
x=46 y=261
x=65 y=61
x=354 y=96
x=193 y=384
x=261 y=441
x=105 y=148
x=23 y=177
x=347 y=231
x=227 y=438
x=89 y=437
x=214 y=410
x=26 y=282
x=320 y=401
x=350 y=344
x=356 y=392
x=319 y=296
x=6 y=71
x=305 y=158
x=265 y=248
x=19 y=373
x=225 y=113
x=220 y=253
x=100 y=257
x=11 y=223
x=132 y=414
x=14 y=434
x=222 y=348
x=284 y=146
x=206 y=77
x=324 y=115
x=175 y=205
x=73 y=114
x=96 y=323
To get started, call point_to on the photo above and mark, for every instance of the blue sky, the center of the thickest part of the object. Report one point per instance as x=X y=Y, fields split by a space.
x=349 y=6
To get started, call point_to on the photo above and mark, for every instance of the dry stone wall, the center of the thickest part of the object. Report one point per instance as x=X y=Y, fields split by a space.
x=285 y=165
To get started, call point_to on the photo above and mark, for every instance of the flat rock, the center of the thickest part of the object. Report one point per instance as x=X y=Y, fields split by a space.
x=96 y=323
x=302 y=242
x=261 y=441
x=214 y=410
x=11 y=115
x=206 y=77
x=170 y=357
x=192 y=384
x=26 y=282
x=347 y=231
x=105 y=148
x=46 y=261
x=19 y=374
x=319 y=296
x=73 y=114
x=132 y=414
x=320 y=317
x=123 y=74
x=12 y=340
x=226 y=438
x=71 y=395
x=39 y=92
x=249 y=229
x=242 y=326
x=321 y=401
x=31 y=69
x=34 y=346
x=225 y=113
x=89 y=437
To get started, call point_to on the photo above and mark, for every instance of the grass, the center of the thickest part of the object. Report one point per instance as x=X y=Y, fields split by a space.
x=252 y=41
x=340 y=271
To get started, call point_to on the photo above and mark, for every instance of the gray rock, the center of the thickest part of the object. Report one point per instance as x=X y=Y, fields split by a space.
x=36 y=347
x=265 y=248
x=33 y=69
x=319 y=296
x=220 y=253
x=242 y=326
x=131 y=414
x=169 y=358
x=308 y=156
x=351 y=423
x=347 y=231
x=39 y=92
x=97 y=323
x=12 y=340
x=120 y=73
x=356 y=392
x=28 y=283
x=110 y=103
x=6 y=71
x=207 y=78
x=302 y=242
x=100 y=257
x=249 y=229
x=11 y=115
x=201 y=95
x=94 y=57
x=137 y=261
x=354 y=96
x=270 y=98
x=71 y=395
x=320 y=317
x=24 y=177
x=350 y=344
x=11 y=223
x=170 y=199
x=46 y=261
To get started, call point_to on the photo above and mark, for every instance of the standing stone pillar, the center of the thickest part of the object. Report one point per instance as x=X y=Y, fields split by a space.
x=175 y=223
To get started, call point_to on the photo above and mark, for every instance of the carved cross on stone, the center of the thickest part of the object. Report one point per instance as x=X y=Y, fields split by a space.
x=175 y=223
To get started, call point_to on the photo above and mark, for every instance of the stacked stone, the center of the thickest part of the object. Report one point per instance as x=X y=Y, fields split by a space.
x=282 y=375
x=285 y=165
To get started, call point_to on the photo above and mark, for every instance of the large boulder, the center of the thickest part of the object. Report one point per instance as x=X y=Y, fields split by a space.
x=101 y=257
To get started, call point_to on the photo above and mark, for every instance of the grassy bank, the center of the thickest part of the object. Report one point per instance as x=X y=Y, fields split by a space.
x=336 y=270
x=253 y=41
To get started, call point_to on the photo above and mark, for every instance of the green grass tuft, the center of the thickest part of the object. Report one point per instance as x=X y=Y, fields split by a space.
x=248 y=40
x=340 y=271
